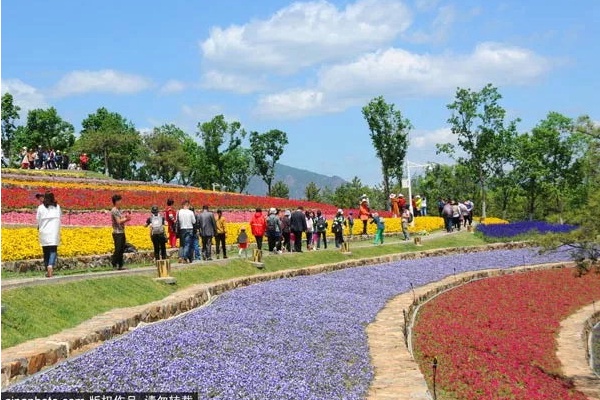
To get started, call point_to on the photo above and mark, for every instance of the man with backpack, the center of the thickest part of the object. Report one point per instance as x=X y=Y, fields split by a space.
x=156 y=223
x=274 y=229
x=208 y=228
x=321 y=229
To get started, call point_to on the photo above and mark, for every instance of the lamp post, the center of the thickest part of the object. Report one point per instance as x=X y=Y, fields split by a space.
x=409 y=165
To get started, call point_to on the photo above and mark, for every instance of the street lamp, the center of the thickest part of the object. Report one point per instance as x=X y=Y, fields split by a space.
x=215 y=185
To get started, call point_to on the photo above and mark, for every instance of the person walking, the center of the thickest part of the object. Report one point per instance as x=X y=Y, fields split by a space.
x=447 y=214
x=364 y=212
x=424 y=206
x=470 y=207
x=156 y=223
x=220 y=237
x=350 y=221
x=309 y=229
x=119 y=219
x=274 y=228
x=286 y=231
x=208 y=229
x=321 y=229
x=378 y=220
x=337 y=227
x=48 y=220
x=406 y=219
x=258 y=226
x=186 y=220
x=298 y=227
x=171 y=216
x=242 y=241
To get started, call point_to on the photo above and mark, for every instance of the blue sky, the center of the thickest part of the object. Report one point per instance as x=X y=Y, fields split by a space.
x=305 y=67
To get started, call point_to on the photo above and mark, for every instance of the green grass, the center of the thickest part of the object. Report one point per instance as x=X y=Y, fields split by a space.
x=39 y=311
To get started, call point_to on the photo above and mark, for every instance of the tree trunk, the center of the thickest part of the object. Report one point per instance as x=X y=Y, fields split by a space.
x=106 y=162
x=483 y=196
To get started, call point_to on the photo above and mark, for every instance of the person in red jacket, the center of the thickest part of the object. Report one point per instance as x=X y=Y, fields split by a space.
x=83 y=161
x=171 y=217
x=258 y=225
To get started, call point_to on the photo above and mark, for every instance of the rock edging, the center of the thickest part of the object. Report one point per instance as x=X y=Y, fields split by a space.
x=34 y=355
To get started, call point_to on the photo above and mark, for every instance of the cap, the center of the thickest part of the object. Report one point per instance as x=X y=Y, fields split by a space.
x=272 y=210
x=287 y=213
x=340 y=211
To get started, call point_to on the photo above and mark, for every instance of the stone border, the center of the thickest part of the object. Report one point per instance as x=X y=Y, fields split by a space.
x=573 y=350
x=397 y=374
x=34 y=355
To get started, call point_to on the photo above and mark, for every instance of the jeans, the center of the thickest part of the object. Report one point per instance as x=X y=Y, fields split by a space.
x=196 y=246
x=187 y=238
x=286 y=241
x=207 y=247
x=220 y=242
x=160 y=246
x=309 y=240
x=117 y=257
x=319 y=236
x=50 y=255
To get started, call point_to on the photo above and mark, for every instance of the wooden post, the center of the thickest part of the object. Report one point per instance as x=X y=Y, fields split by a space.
x=417 y=241
x=470 y=228
x=163 y=268
x=257 y=258
x=345 y=249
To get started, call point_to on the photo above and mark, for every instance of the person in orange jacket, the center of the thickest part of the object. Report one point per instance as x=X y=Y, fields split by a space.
x=401 y=202
x=258 y=225
x=395 y=208
x=364 y=212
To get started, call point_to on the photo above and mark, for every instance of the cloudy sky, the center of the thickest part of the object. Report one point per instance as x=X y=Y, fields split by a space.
x=305 y=67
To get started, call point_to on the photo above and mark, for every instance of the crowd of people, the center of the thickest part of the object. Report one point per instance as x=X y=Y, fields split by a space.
x=42 y=158
x=284 y=230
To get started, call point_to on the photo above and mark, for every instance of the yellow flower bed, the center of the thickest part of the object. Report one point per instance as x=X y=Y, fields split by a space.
x=491 y=220
x=20 y=243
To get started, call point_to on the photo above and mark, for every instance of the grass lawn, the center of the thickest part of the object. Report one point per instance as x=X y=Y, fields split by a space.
x=39 y=311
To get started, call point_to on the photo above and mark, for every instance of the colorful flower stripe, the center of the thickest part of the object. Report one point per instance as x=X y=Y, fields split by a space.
x=20 y=243
x=77 y=198
x=495 y=338
x=523 y=227
x=492 y=220
x=300 y=338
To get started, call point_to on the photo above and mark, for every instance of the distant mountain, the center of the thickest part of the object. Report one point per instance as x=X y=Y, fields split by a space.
x=296 y=179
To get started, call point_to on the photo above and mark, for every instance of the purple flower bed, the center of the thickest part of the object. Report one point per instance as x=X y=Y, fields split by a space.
x=299 y=338
x=522 y=227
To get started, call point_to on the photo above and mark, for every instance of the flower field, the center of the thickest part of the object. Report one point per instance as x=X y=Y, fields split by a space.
x=299 y=338
x=495 y=338
x=20 y=242
x=522 y=227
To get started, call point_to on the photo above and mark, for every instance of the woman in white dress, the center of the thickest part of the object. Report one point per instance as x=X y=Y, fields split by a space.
x=48 y=220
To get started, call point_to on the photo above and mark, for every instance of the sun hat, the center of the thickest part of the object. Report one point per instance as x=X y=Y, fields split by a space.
x=340 y=211
x=392 y=196
x=400 y=195
x=272 y=210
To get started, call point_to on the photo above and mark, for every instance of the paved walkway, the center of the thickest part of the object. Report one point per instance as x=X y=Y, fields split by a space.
x=11 y=283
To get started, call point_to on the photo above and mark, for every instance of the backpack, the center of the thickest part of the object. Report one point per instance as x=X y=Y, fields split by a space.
x=156 y=222
x=273 y=224
x=321 y=224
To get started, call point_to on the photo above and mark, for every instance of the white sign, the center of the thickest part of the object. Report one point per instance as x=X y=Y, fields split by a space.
x=405 y=183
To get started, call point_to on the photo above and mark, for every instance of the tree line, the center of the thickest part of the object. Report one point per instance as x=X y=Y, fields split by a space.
x=214 y=158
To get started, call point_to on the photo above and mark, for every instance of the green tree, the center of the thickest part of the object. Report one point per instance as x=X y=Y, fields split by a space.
x=240 y=164
x=114 y=141
x=266 y=150
x=280 y=189
x=44 y=127
x=446 y=182
x=165 y=157
x=477 y=120
x=348 y=194
x=546 y=164
x=389 y=134
x=218 y=138
x=10 y=114
x=312 y=192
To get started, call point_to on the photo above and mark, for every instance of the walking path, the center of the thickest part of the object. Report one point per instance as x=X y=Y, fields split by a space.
x=12 y=283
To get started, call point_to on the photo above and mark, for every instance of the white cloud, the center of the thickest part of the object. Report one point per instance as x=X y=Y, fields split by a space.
x=172 y=86
x=25 y=96
x=237 y=83
x=440 y=27
x=305 y=34
x=104 y=81
x=422 y=139
x=399 y=73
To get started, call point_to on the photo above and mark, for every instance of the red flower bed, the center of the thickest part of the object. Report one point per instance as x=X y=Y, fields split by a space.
x=495 y=338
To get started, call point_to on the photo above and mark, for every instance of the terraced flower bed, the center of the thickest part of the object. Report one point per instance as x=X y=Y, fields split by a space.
x=495 y=338
x=294 y=338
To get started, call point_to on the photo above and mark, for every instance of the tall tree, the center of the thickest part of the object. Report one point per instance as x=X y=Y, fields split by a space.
x=44 y=127
x=280 y=189
x=240 y=165
x=218 y=138
x=312 y=192
x=477 y=120
x=348 y=194
x=108 y=136
x=266 y=150
x=165 y=157
x=389 y=134
x=10 y=114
